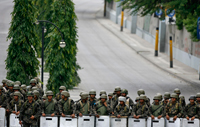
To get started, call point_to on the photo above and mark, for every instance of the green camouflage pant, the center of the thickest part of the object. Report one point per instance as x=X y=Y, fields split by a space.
x=29 y=124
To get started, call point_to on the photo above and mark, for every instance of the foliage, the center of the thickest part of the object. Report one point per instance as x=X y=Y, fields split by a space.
x=21 y=62
x=61 y=62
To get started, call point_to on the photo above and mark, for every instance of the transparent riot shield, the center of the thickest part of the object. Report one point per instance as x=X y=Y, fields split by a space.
x=118 y=122
x=172 y=123
x=14 y=120
x=48 y=121
x=68 y=121
x=2 y=116
x=156 y=122
x=103 y=121
x=86 y=121
x=132 y=122
x=190 y=123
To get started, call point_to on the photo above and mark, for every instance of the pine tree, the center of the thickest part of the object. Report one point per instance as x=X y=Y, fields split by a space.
x=21 y=62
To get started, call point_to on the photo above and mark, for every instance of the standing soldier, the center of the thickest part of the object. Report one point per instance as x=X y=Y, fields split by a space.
x=180 y=101
x=23 y=86
x=30 y=112
x=17 y=88
x=33 y=83
x=129 y=102
x=198 y=98
x=101 y=93
x=191 y=110
x=137 y=100
x=2 y=98
x=5 y=87
x=173 y=109
x=44 y=98
x=58 y=95
x=101 y=107
x=160 y=98
x=140 y=92
x=166 y=99
x=66 y=105
x=83 y=106
x=121 y=109
x=16 y=101
x=140 y=110
x=36 y=97
x=156 y=109
x=110 y=102
x=49 y=107
x=92 y=98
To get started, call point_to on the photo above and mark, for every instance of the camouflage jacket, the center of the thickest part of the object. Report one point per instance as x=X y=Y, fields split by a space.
x=121 y=110
x=3 y=100
x=58 y=96
x=83 y=108
x=191 y=110
x=156 y=110
x=66 y=107
x=39 y=102
x=140 y=109
x=174 y=109
x=110 y=103
x=49 y=107
x=101 y=109
x=11 y=105
x=9 y=96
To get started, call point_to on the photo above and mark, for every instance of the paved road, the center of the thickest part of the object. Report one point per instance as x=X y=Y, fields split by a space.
x=107 y=62
x=6 y=7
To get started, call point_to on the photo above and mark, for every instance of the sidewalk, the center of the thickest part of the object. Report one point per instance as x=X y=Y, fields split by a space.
x=146 y=50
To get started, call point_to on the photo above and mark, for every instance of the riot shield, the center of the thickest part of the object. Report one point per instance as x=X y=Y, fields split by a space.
x=132 y=122
x=156 y=122
x=172 y=123
x=2 y=116
x=48 y=121
x=190 y=123
x=118 y=122
x=68 y=121
x=86 y=121
x=14 y=120
x=103 y=121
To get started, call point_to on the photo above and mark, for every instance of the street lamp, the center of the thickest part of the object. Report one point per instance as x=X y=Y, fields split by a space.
x=62 y=44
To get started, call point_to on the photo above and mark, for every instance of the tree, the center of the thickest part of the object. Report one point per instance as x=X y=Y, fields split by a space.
x=62 y=62
x=21 y=62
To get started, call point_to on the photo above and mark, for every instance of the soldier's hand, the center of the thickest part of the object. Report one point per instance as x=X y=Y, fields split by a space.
x=134 y=116
x=193 y=118
x=20 y=122
x=105 y=104
x=63 y=115
x=0 y=106
x=80 y=114
x=17 y=113
x=73 y=115
x=52 y=115
x=167 y=117
x=175 y=117
x=118 y=116
x=32 y=117
x=97 y=115
x=187 y=118
x=159 y=117
x=43 y=114
x=7 y=110
x=113 y=113
x=152 y=117
x=13 y=112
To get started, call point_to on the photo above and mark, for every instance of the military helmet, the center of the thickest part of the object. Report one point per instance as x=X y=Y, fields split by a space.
x=1 y=87
x=29 y=94
x=84 y=95
x=49 y=93
x=110 y=94
x=80 y=93
x=156 y=97
x=167 y=95
x=137 y=98
x=62 y=88
x=23 y=86
x=44 y=97
x=33 y=81
x=16 y=87
x=124 y=91
x=192 y=97
x=92 y=92
x=142 y=97
x=17 y=93
x=36 y=93
x=117 y=88
x=177 y=91
x=174 y=95
x=4 y=81
x=65 y=93
x=198 y=95
x=103 y=96
x=160 y=96
x=11 y=84
x=140 y=91
x=122 y=99
x=183 y=98
x=34 y=88
x=18 y=83
x=37 y=79
x=102 y=92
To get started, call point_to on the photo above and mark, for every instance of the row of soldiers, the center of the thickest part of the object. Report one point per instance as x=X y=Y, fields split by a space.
x=29 y=103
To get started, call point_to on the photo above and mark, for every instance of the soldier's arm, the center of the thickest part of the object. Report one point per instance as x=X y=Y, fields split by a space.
x=163 y=111
x=115 y=111
x=42 y=107
x=60 y=107
x=77 y=108
x=180 y=111
x=126 y=113
x=167 y=109
x=185 y=111
x=145 y=114
x=134 y=110
x=4 y=102
x=95 y=108
x=108 y=108
x=72 y=106
x=150 y=111
x=131 y=103
x=37 y=111
x=21 y=112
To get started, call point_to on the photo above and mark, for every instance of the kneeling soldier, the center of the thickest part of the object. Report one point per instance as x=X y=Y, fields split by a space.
x=156 y=109
x=49 y=106
x=140 y=110
x=191 y=109
x=66 y=105
x=30 y=112
x=101 y=107
x=121 y=109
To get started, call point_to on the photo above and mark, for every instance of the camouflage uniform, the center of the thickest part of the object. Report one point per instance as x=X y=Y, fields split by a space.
x=58 y=95
x=2 y=98
x=100 y=108
x=36 y=85
x=174 y=109
x=37 y=100
x=110 y=103
x=140 y=109
x=156 y=110
x=83 y=108
x=140 y=92
x=122 y=110
x=13 y=102
x=191 y=110
x=49 y=107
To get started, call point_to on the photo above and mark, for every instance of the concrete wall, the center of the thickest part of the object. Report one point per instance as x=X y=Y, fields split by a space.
x=185 y=50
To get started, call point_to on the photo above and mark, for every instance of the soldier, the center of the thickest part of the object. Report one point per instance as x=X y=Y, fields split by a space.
x=18 y=83
x=166 y=99
x=156 y=109
x=121 y=109
x=36 y=97
x=160 y=97
x=23 y=86
x=2 y=98
x=191 y=110
x=129 y=102
x=178 y=92
x=183 y=101
x=137 y=99
x=30 y=112
x=5 y=87
x=110 y=102
x=58 y=95
x=140 y=92
x=101 y=93
x=92 y=98
x=173 y=108
x=16 y=101
x=33 y=83
x=101 y=107
x=140 y=110
x=17 y=88
x=10 y=91
x=49 y=107
x=115 y=97
x=66 y=105
x=44 y=98
x=83 y=106
x=37 y=81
